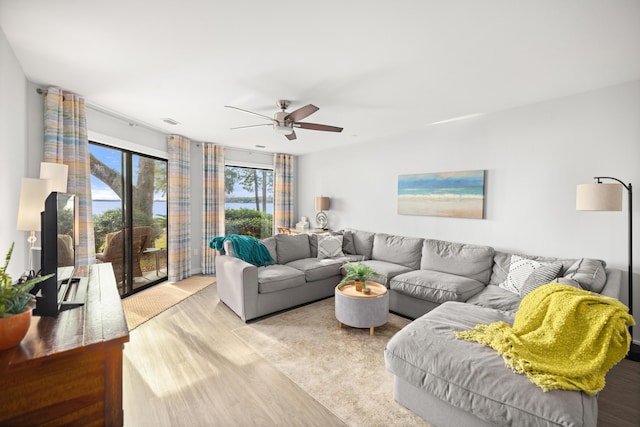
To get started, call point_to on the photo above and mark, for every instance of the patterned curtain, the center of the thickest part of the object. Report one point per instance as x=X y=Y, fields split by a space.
x=284 y=207
x=213 y=202
x=179 y=215
x=65 y=141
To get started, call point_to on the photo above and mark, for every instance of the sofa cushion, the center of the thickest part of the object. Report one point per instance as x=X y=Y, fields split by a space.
x=317 y=269
x=291 y=247
x=350 y=258
x=397 y=249
x=589 y=273
x=502 y=261
x=493 y=296
x=472 y=261
x=274 y=278
x=435 y=286
x=521 y=268
x=386 y=270
x=270 y=243
x=473 y=377
x=362 y=242
x=329 y=246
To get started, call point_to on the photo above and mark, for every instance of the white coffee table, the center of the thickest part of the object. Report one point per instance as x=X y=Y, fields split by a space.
x=359 y=310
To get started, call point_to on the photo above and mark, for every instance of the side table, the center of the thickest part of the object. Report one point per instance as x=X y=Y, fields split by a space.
x=353 y=308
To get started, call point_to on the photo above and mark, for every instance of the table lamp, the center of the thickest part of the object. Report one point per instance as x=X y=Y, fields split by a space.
x=322 y=204
x=33 y=193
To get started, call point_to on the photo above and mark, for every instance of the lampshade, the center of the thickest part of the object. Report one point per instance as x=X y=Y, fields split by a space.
x=599 y=197
x=57 y=173
x=32 y=196
x=322 y=203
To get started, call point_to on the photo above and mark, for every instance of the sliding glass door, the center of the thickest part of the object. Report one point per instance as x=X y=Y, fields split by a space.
x=130 y=215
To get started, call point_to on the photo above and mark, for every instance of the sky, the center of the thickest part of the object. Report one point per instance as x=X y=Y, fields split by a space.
x=112 y=158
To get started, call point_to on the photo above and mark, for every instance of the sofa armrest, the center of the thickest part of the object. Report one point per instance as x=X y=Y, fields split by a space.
x=613 y=284
x=237 y=283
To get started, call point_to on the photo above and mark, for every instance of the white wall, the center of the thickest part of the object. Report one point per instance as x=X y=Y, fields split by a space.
x=534 y=157
x=13 y=137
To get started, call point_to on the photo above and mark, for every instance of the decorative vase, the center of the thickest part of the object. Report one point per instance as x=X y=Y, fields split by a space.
x=14 y=328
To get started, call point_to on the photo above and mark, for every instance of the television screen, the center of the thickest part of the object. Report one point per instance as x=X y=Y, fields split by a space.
x=58 y=235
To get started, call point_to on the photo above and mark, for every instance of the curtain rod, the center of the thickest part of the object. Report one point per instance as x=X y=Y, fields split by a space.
x=132 y=122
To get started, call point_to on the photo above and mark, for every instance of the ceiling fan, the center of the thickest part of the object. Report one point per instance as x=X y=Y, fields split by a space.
x=284 y=122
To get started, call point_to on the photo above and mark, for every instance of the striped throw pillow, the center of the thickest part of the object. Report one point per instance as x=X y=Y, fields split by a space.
x=521 y=268
x=540 y=276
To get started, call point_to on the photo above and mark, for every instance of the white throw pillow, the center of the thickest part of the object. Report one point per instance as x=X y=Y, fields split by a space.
x=521 y=268
x=329 y=246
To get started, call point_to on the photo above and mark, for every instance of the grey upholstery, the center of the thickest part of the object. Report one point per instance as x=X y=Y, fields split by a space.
x=472 y=261
x=472 y=377
x=405 y=251
x=436 y=286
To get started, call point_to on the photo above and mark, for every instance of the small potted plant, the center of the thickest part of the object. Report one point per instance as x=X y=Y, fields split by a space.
x=16 y=304
x=359 y=273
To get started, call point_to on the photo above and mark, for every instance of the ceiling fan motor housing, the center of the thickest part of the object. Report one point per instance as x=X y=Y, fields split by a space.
x=281 y=125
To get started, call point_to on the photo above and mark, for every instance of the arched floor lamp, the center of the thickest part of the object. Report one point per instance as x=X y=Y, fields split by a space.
x=608 y=197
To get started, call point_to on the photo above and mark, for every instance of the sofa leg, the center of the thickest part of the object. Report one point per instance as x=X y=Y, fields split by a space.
x=371 y=331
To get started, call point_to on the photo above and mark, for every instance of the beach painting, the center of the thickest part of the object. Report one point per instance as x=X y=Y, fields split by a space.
x=450 y=194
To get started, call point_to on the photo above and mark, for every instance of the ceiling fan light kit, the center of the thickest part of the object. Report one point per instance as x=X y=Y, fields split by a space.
x=281 y=124
x=284 y=122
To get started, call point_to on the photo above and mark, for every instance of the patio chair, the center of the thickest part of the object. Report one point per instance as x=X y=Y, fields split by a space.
x=114 y=246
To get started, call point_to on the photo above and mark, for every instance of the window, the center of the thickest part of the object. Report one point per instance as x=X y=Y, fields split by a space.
x=248 y=201
x=130 y=215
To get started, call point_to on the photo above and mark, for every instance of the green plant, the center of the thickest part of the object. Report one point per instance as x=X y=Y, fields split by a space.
x=14 y=299
x=248 y=222
x=359 y=272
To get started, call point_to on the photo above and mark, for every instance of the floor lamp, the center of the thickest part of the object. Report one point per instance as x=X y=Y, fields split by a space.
x=608 y=197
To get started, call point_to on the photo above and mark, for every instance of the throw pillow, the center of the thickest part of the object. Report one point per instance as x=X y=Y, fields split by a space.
x=347 y=241
x=590 y=273
x=540 y=276
x=519 y=270
x=329 y=246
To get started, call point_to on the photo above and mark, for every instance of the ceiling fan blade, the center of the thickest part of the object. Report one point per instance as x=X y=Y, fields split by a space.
x=251 y=126
x=251 y=112
x=301 y=113
x=315 y=126
x=291 y=136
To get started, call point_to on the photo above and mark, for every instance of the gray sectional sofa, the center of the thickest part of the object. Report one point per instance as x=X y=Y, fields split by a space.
x=444 y=286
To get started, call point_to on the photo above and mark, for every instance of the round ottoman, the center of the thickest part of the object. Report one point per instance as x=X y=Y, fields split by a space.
x=359 y=310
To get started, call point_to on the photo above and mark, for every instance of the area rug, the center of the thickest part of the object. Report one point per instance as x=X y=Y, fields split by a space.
x=343 y=369
x=144 y=305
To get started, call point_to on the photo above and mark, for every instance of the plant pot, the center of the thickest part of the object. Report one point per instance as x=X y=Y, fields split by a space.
x=358 y=286
x=14 y=328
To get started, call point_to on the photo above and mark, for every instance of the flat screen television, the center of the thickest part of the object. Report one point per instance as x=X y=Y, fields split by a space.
x=58 y=238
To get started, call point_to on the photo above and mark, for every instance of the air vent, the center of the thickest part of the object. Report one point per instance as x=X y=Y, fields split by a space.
x=261 y=146
x=170 y=121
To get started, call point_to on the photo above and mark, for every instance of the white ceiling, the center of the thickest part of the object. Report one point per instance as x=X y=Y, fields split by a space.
x=378 y=69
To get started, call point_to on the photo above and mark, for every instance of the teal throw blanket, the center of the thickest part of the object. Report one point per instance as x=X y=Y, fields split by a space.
x=246 y=248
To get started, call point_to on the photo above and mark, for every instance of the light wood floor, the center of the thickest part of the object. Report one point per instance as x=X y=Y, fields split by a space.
x=186 y=368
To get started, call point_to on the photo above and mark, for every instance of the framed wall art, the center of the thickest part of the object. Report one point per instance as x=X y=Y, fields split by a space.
x=450 y=194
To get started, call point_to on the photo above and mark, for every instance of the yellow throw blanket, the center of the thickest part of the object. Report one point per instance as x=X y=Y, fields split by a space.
x=561 y=338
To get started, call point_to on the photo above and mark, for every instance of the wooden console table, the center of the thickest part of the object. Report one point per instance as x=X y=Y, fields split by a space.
x=68 y=370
